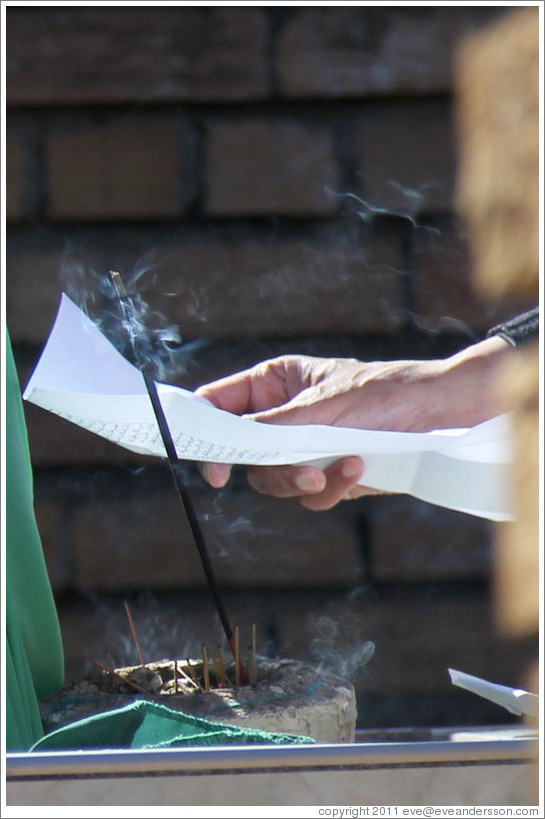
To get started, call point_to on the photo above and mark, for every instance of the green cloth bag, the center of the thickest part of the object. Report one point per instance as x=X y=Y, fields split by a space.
x=34 y=653
x=144 y=724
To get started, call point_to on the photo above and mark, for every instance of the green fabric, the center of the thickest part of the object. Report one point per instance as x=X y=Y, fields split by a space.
x=144 y=724
x=34 y=653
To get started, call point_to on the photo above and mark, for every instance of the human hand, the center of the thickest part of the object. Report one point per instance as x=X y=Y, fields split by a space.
x=391 y=395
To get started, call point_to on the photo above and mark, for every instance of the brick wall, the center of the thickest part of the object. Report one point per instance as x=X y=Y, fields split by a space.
x=286 y=177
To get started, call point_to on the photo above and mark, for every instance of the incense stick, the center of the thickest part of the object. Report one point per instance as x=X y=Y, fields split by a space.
x=114 y=673
x=205 y=669
x=175 y=676
x=249 y=662
x=134 y=634
x=222 y=663
x=253 y=662
x=220 y=670
x=190 y=679
x=190 y=667
x=172 y=456
x=237 y=658
x=193 y=676
x=216 y=665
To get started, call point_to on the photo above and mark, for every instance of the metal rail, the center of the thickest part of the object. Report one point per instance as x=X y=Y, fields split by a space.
x=241 y=759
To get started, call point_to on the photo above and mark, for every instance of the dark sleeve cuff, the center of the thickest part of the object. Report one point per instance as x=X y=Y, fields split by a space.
x=520 y=329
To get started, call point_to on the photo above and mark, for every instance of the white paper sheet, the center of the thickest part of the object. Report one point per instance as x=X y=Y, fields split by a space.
x=81 y=377
x=515 y=700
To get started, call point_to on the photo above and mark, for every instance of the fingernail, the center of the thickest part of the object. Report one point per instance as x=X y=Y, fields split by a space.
x=308 y=483
x=351 y=469
x=218 y=477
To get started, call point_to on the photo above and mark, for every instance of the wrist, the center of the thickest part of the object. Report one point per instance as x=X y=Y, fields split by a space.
x=470 y=378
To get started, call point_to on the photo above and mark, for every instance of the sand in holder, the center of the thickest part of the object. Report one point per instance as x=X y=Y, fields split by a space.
x=282 y=696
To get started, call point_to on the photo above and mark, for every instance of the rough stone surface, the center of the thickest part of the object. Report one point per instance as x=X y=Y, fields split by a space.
x=289 y=697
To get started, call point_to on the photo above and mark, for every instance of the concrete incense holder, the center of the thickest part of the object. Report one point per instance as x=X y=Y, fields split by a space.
x=286 y=696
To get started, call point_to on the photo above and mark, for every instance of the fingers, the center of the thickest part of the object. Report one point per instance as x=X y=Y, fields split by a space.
x=341 y=480
x=316 y=489
x=217 y=475
x=286 y=481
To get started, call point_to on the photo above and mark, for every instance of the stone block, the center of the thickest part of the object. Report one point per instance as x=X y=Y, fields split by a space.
x=498 y=113
x=408 y=162
x=447 y=296
x=269 y=167
x=16 y=173
x=498 y=73
x=415 y=541
x=93 y=55
x=358 y=51
x=216 y=284
x=143 y=542
x=118 y=167
x=517 y=558
x=400 y=644
x=252 y=285
x=263 y=542
x=415 y=640
x=120 y=546
x=36 y=271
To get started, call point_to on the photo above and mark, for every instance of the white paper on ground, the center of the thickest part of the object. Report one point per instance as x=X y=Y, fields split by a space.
x=515 y=700
x=81 y=377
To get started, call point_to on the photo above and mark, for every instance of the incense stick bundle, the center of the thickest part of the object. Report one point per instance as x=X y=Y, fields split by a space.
x=134 y=634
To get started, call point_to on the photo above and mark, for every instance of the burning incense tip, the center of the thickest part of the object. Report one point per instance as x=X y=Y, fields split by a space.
x=118 y=283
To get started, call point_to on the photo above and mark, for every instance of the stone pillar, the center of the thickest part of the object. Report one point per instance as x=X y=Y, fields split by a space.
x=498 y=118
